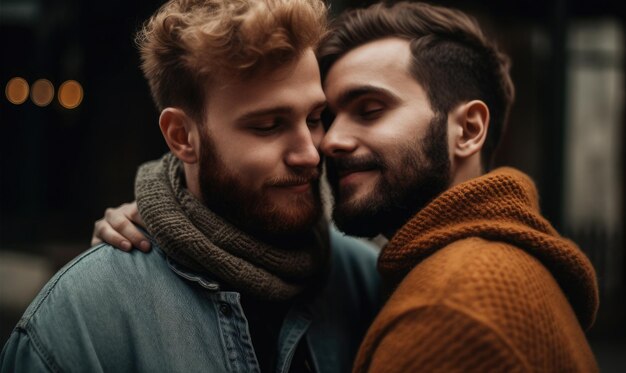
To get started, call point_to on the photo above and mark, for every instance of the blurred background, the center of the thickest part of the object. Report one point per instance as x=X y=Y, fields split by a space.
x=77 y=119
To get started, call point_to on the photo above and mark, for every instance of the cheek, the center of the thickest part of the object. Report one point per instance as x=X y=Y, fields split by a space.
x=401 y=125
x=254 y=165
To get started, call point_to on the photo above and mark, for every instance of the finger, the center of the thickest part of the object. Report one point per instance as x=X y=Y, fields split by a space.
x=132 y=211
x=124 y=227
x=104 y=232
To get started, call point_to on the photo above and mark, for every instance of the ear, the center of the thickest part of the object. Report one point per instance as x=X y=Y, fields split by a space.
x=470 y=122
x=180 y=133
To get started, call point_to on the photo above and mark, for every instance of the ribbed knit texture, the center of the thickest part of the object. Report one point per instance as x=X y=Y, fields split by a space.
x=194 y=236
x=484 y=283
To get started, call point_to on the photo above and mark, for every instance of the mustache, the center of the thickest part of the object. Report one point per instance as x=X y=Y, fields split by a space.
x=300 y=178
x=335 y=166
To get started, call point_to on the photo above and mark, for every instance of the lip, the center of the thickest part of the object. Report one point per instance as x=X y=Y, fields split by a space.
x=354 y=176
x=296 y=188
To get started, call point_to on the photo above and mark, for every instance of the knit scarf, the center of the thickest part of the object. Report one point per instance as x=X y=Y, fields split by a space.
x=192 y=235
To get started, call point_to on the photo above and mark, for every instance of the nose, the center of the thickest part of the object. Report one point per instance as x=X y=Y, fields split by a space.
x=338 y=140
x=303 y=151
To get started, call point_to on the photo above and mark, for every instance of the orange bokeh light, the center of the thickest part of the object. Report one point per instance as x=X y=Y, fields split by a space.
x=17 y=90
x=42 y=92
x=70 y=94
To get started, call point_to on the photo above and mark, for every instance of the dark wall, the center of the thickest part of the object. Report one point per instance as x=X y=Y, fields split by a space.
x=61 y=168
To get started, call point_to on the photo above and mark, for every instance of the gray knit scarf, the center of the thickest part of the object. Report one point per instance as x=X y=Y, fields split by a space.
x=192 y=235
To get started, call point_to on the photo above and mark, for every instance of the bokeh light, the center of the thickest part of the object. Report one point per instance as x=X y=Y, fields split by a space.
x=42 y=92
x=17 y=90
x=70 y=94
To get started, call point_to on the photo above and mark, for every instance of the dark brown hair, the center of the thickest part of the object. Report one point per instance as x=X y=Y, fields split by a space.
x=451 y=57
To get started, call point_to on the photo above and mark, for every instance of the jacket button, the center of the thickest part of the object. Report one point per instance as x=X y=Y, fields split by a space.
x=225 y=309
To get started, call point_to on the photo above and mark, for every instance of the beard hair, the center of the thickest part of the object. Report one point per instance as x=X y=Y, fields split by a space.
x=405 y=186
x=253 y=210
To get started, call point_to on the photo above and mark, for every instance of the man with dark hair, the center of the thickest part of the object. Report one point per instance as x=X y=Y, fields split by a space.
x=418 y=98
x=245 y=275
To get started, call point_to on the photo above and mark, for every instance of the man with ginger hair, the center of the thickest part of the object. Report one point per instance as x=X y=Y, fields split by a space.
x=245 y=274
x=418 y=98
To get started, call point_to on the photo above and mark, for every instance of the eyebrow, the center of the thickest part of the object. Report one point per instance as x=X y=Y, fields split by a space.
x=278 y=110
x=353 y=94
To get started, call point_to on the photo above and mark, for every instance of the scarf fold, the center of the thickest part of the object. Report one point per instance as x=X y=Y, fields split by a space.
x=194 y=236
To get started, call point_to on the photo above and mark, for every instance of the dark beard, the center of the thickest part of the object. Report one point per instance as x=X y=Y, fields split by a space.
x=403 y=188
x=252 y=210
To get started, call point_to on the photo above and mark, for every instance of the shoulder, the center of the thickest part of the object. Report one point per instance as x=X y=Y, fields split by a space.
x=21 y=353
x=477 y=265
x=436 y=338
x=85 y=305
x=498 y=283
x=100 y=274
x=498 y=291
x=465 y=294
x=82 y=300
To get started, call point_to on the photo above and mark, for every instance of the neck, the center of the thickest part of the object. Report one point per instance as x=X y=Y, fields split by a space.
x=191 y=180
x=464 y=169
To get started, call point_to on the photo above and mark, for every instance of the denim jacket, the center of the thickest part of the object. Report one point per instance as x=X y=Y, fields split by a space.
x=110 y=311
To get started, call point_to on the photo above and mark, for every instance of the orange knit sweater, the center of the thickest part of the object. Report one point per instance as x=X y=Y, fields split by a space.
x=484 y=283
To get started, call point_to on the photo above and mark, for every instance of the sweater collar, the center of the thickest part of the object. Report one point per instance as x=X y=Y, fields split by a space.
x=499 y=206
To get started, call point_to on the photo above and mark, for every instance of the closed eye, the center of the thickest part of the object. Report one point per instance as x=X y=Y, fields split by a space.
x=370 y=109
x=314 y=122
x=267 y=128
x=314 y=119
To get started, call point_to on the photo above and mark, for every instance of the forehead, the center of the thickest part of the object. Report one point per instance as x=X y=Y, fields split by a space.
x=383 y=63
x=296 y=85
